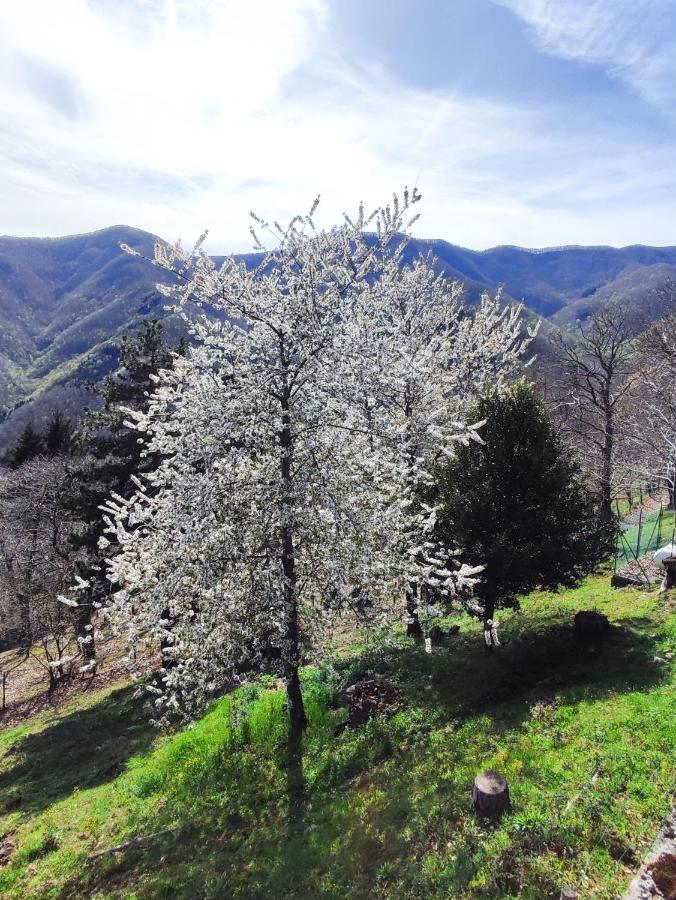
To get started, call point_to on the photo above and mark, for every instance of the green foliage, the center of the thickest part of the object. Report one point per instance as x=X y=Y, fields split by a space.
x=516 y=503
x=58 y=433
x=109 y=452
x=29 y=445
x=387 y=813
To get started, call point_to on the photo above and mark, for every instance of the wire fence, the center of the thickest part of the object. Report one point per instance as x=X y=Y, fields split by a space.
x=652 y=530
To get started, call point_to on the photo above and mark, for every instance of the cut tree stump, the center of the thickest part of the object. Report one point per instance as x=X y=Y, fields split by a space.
x=569 y=893
x=669 y=574
x=490 y=795
x=590 y=625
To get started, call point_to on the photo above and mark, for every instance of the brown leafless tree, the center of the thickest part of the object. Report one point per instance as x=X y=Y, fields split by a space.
x=600 y=369
x=653 y=429
x=37 y=563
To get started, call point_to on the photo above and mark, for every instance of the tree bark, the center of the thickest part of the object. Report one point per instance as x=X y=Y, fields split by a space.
x=669 y=574
x=605 y=506
x=413 y=627
x=297 y=717
x=490 y=795
x=25 y=619
x=489 y=613
x=84 y=632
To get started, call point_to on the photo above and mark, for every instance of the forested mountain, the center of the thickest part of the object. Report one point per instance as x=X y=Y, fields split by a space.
x=65 y=302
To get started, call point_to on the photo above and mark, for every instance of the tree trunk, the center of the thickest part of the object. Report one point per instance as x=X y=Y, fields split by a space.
x=84 y=632
x=490 y=795
x=669 y=574
x=413 y=627
x=168 y=659
x=25 y=619
x=295 y=781
x=297 y=717
x=605 y=506
x=489 y=612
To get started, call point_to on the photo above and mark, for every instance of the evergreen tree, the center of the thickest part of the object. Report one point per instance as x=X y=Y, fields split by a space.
x=110 y=455
x=58 y=433
x=29 y=445
x=516 y=504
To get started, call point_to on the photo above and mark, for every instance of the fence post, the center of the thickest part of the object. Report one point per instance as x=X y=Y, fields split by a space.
x=659 y=527
x=638 y=536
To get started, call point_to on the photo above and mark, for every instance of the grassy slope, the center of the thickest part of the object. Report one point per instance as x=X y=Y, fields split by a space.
x=387 y=810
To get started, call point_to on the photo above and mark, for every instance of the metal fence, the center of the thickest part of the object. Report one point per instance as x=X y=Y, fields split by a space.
x=648 y=533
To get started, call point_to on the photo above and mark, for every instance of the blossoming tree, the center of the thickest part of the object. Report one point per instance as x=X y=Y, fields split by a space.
x=429 y=357
x=324 y=383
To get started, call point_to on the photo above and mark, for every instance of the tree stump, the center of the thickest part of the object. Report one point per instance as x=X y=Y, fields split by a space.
x=669 y=574
x=490 y=795
x=437 y=635
x=590 y=625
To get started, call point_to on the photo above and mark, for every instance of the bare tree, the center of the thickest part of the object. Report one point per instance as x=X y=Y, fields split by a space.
x=599 y=373
x=37 y=563
x=653 y=424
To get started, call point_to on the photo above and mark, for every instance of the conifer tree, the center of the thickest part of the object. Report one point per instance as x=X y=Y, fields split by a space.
x=516 y=504
x=58 y=433
x=111 y=454
x=29 y=445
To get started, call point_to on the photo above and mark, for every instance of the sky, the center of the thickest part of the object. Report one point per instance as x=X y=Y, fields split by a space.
x=529 y=122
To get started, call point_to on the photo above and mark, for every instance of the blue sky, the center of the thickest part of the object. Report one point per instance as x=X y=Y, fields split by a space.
x=532 y=122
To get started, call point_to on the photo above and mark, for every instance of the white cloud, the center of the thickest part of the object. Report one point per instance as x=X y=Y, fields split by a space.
x=173 y=116
x=634 y=40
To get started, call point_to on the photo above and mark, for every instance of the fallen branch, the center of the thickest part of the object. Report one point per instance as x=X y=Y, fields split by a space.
x=134 y=842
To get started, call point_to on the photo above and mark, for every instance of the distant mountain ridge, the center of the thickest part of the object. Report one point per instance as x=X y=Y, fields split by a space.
x=65 y=302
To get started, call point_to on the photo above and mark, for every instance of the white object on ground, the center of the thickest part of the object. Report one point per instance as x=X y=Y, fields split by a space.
x=664 y=553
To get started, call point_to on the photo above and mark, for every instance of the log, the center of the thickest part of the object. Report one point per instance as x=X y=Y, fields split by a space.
x=490 y=795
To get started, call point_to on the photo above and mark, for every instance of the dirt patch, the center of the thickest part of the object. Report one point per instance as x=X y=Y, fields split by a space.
x=373 y=697
x=7 y=847
x=663 y=872
x=638 y=572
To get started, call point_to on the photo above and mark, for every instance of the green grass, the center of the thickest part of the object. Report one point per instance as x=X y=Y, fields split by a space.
x=386 y=811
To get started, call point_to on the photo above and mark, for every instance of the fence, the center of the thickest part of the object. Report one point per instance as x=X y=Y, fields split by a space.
x=653 y=530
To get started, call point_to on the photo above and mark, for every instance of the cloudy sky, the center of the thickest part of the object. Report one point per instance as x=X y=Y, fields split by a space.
x=532 y=122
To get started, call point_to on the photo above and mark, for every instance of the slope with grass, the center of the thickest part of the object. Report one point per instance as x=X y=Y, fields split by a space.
x=585 y=735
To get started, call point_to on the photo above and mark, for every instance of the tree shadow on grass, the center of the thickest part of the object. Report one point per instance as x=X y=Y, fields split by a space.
x=360 y=806
x=80 y=750
x=462 y=680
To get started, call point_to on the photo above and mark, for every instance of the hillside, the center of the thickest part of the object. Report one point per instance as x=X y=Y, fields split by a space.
x=584 y=734
x=65 y=302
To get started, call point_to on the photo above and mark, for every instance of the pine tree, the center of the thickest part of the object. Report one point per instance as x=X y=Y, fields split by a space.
x=516 y=504
x=58 y=433
x=111 y=454
x=29 y=445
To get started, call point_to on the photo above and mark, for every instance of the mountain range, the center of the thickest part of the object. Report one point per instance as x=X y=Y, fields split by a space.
x=65 y=302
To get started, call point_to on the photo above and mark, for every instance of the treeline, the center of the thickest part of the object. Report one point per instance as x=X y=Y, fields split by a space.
x=55 y=480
